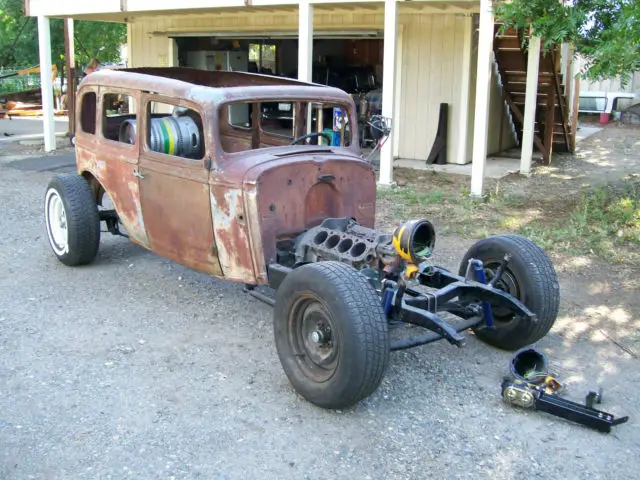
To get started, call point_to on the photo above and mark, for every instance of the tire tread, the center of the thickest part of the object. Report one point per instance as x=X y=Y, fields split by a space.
x=363 y=308
x=83 y=220
x=545 y=289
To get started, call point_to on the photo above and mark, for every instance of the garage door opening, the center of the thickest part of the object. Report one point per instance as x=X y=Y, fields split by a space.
x=351 y=64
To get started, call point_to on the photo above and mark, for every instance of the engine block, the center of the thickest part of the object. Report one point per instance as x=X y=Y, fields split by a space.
x=344 y=240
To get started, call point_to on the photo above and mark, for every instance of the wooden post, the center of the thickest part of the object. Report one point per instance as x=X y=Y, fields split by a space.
x=483 y=92
x=530 y=104
x=502 y=115
x=398 y=93
x=305 y=40
x=549 y=123
x=305 y=47
x=389 y=88
x=574 y=116
x=46 y=83
x=69 y=54
x=260 y=56
x=463 y=99
x=320 y=119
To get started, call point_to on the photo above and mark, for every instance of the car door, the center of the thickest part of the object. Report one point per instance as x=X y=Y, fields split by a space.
x=101 y=151
x=174 y=184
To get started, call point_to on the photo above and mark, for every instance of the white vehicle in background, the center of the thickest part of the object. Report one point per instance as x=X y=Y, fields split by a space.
x=603 y=103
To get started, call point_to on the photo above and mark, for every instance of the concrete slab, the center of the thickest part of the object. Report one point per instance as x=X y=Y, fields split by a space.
x=19 y=126
x=585 y=131
x=497 y=167
x=51 y=163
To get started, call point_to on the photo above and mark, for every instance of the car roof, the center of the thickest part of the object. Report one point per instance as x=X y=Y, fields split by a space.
x=205 y=85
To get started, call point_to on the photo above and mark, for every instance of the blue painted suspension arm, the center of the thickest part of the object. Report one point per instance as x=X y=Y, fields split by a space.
x=478 y=268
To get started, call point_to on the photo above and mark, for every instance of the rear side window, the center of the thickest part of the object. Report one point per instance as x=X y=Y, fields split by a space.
x=175 y=131
x=119 y=118
x=88 y=113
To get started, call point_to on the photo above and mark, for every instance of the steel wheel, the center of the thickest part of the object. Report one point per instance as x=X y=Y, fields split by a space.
x=56 y=218
x=507 y=283
x=314 y=339
x=72 y=219
x=331 y=334
x=530 y=277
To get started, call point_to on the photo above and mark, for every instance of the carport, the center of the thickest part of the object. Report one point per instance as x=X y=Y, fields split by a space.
x=428 y=47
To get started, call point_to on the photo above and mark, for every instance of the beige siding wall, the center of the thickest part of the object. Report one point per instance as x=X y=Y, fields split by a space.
x=431 y=74
x=472 y=90
x=432 y=65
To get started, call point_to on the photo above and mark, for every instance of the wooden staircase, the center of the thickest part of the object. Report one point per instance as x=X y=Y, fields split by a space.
x=552 y=130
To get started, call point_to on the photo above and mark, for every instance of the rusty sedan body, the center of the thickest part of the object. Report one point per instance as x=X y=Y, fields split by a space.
x=225 y=213
x=185 y=163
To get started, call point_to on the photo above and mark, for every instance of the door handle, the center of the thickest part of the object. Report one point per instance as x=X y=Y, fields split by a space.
x=136 y=173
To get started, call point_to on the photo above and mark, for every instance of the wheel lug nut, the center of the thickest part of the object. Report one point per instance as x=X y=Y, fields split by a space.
x=320 y=336
x=317 y=336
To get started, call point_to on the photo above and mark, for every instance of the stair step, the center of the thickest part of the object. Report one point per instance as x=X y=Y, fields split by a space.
x=519 y=98
x=509 y=31
x=521 y=76
x=515 y=61
x=541 y=93
x=557 y=128
x=517 y=88
x=556 y=131
x=541 y=105
x=507 y=42
x=538 y=129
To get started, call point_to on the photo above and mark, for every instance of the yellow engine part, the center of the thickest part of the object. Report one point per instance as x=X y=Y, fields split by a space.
x=411 y=270
x=414 y=240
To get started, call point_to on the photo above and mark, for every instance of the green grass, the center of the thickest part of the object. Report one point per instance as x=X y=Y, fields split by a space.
x=457 y=210
x=410 y=197
x=603 y=220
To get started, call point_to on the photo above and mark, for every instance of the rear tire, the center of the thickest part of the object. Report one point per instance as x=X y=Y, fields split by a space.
x=331 y=334
x=72 y=219
x=530 y=277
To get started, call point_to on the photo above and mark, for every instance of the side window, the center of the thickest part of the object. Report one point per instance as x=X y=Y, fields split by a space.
x=174 y=130
x=119 y=118
x=277 y=119
x=240 y=115
x=88 y=113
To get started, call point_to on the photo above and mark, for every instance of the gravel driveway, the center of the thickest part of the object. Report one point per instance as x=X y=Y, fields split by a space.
x=135 y=367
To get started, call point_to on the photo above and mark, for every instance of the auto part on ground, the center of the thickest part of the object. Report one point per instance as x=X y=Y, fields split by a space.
x=532 y=387
x=172 y=135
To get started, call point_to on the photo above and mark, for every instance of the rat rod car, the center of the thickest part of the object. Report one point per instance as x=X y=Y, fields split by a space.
x=181 y=162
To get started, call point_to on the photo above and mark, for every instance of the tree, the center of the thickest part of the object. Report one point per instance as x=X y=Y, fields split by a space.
x=606 y=33
x=19 y=38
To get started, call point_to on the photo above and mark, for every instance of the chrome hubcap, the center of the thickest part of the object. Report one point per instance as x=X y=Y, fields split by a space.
x=57 y=227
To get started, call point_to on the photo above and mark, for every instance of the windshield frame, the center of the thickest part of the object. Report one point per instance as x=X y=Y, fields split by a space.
x=223 y=126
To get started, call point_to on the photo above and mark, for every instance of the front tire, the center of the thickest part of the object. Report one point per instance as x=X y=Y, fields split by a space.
x=72 y=219
x=331 y=334
x=529 y=277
